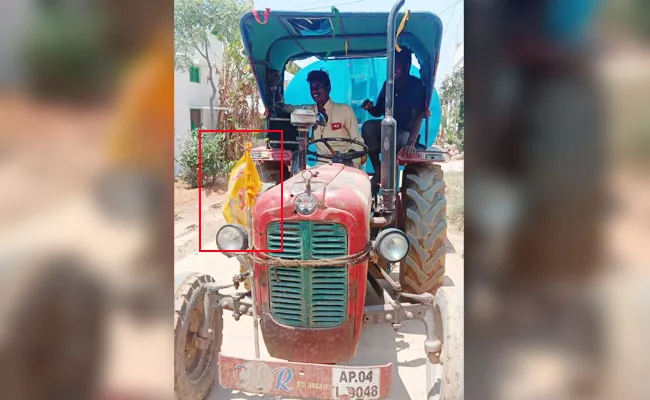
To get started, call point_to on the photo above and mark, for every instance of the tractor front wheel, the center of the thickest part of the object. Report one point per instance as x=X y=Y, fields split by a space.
x=425 y=224
x=445 y=375
x=195 y=369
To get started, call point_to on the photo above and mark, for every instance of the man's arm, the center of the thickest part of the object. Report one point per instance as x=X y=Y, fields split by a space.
x=416 y=124
x=417 y=110
x=378 y=109
x=352 y=126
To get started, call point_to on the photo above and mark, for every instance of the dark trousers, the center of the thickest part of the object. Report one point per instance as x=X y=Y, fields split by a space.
x=371 y=133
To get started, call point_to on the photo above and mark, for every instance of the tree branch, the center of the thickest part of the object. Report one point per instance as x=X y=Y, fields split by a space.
x=199 y=50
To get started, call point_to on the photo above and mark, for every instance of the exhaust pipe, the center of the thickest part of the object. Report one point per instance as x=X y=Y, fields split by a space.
x=389 y=124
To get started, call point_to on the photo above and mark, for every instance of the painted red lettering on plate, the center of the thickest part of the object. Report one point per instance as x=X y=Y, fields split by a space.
x=336 y=126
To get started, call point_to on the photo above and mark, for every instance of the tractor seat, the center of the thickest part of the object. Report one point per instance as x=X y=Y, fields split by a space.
x=275 y=144
x=290 y=134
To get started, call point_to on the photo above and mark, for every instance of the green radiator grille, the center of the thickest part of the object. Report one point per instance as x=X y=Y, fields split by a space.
x=313 y=297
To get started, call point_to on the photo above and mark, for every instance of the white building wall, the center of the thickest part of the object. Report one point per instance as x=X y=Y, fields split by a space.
x=459 y=56
x=181 y=113
x=189 y=95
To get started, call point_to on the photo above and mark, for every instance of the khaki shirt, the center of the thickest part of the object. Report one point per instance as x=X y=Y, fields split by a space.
x=341 y=123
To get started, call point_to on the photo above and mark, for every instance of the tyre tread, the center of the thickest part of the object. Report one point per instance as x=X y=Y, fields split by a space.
x=425 y=224
x=185 y=298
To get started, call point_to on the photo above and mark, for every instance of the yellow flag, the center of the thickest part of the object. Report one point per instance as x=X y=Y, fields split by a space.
x=243 y=186
x=400 y=29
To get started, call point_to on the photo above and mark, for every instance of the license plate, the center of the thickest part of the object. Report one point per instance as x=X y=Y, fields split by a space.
x=304 y=380
x=356 y=383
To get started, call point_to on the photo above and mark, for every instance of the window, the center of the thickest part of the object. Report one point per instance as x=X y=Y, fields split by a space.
x=195 y=74
x=195 y=118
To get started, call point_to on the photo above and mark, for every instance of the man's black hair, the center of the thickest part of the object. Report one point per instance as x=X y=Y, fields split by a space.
x=403 y=57
x=319 y=76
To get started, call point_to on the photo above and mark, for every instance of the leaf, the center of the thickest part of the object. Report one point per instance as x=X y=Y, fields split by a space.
x=452 y=93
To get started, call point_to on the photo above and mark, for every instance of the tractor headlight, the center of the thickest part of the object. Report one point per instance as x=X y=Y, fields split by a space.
x=392 y=244
x=232 y=237
x=306 y=204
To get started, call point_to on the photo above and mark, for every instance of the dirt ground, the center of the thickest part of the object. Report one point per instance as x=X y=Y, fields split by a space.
x=48 y=160
x=186 y=216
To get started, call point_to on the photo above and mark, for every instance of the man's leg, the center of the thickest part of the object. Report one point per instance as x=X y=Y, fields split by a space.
x=402 y=140
x=371 y=134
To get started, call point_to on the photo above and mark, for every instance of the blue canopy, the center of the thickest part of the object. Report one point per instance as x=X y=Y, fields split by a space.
x=290 y=35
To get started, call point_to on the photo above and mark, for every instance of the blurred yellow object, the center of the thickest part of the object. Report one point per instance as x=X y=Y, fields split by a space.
x=401 y=27
x=141 y=135
x=243 y=188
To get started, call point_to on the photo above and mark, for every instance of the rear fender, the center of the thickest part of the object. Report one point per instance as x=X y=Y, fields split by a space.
x=432 y=155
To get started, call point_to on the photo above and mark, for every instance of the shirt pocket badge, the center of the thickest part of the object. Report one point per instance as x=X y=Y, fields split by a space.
x=336 y=126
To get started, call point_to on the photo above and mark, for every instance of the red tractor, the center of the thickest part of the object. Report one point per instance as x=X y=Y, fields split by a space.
x=325 y=240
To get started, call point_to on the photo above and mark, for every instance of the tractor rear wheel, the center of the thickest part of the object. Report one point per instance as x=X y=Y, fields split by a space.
x=195 y=370
x=445 y=377
x=425 y=224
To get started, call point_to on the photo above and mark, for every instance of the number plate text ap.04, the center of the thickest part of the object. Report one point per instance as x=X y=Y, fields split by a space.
x=351 y=383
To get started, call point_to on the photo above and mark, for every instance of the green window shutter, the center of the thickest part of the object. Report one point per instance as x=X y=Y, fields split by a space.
x=194 y=75
x=195 y=118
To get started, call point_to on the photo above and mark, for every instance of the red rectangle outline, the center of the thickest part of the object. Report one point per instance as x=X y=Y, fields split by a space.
x=200 y=181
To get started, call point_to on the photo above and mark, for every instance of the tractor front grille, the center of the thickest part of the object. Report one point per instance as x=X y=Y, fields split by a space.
x=311 y=297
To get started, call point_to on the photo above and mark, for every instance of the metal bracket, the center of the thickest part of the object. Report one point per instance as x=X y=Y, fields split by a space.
x=213 y=299
x=388 y=313
x=374 y=261
x=239 y=278
x=424 y=298
x=307 y=180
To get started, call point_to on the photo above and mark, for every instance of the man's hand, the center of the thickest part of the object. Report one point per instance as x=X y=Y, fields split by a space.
x=361 y=160
x=367 y=105
x=408 y=151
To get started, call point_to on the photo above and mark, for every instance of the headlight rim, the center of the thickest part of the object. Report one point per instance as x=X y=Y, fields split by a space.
x=243 y=232
x=383 y=235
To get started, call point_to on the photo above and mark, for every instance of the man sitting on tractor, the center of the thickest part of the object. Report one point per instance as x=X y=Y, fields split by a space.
x=409 y=108
x=340 y=120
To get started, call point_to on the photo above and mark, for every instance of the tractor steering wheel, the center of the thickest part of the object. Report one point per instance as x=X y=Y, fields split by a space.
x=338 y=157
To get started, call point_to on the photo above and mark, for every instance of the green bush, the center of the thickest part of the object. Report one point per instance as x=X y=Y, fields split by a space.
x=213 y=162
x=452 y=123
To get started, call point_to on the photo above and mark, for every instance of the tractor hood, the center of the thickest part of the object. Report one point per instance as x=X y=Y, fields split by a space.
x=335 y=186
